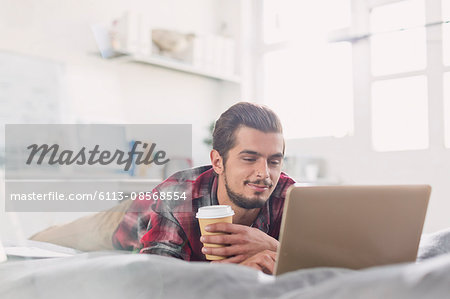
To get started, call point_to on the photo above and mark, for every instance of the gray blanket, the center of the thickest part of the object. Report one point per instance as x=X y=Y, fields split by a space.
x=123 y=275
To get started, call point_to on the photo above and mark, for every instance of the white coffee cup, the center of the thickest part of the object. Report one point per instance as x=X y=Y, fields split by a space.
x=214 y=214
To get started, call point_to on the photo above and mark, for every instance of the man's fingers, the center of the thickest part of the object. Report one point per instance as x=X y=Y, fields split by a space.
x=223 y=251
x=235 y=260
x=225 y=228
x=254 y=265
x=264 y=261
x=272 y=254
x=267 y=262
x=222 y=239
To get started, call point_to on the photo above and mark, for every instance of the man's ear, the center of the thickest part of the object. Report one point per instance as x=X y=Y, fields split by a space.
x=216 y=161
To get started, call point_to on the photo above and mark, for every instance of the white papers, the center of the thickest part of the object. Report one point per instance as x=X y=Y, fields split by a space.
x=33 y=252
x=2 y=253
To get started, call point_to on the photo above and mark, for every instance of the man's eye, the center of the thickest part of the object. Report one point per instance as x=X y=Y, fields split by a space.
x=275 y=162
x=249 y=159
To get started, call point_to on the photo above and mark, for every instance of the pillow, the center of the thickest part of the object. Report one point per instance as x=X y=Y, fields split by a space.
x=89 y=233
x=432 y=245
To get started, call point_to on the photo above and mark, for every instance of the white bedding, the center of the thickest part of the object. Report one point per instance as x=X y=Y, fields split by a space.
x=122 y=275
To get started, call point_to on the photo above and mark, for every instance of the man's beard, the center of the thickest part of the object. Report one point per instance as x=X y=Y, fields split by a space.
x=245 y=202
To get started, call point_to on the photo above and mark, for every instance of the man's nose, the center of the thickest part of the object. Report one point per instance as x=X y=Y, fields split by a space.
x=262 y=170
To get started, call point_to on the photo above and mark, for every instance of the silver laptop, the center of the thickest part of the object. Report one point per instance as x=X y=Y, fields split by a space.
x=351 y=226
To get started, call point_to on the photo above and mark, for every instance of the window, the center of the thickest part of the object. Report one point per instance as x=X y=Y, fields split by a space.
x=398 y=52
x=307 y=80
x=282 y=18
x=446 y=51
x=399 y=84
x=446 y=30
x=398 y=37
x=447 y=108
x=295 y=89
x=400 y=114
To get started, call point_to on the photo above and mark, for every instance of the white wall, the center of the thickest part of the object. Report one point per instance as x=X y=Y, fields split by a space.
x=114 y=91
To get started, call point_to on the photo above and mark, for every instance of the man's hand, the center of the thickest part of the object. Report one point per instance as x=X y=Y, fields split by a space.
x=262 y=261
x=243 y=241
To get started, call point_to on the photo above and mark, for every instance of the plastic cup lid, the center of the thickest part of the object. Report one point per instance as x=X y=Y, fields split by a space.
x=217 y=211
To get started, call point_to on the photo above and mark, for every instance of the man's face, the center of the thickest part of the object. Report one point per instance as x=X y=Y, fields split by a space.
x=253 y=167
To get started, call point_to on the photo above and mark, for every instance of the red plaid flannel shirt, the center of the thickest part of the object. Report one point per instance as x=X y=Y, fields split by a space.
x=170 y=228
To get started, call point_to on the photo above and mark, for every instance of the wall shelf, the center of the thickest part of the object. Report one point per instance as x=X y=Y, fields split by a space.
x=183 y=67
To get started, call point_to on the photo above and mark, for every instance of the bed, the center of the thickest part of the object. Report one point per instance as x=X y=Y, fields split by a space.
x=116 y=274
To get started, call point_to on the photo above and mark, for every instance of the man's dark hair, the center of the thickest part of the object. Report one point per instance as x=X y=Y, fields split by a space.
x=246 y=114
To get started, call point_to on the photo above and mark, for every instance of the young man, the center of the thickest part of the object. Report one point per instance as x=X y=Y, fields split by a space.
x=247 y=155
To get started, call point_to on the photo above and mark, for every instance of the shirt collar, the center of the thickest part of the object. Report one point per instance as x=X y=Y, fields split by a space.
x=213 y=194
